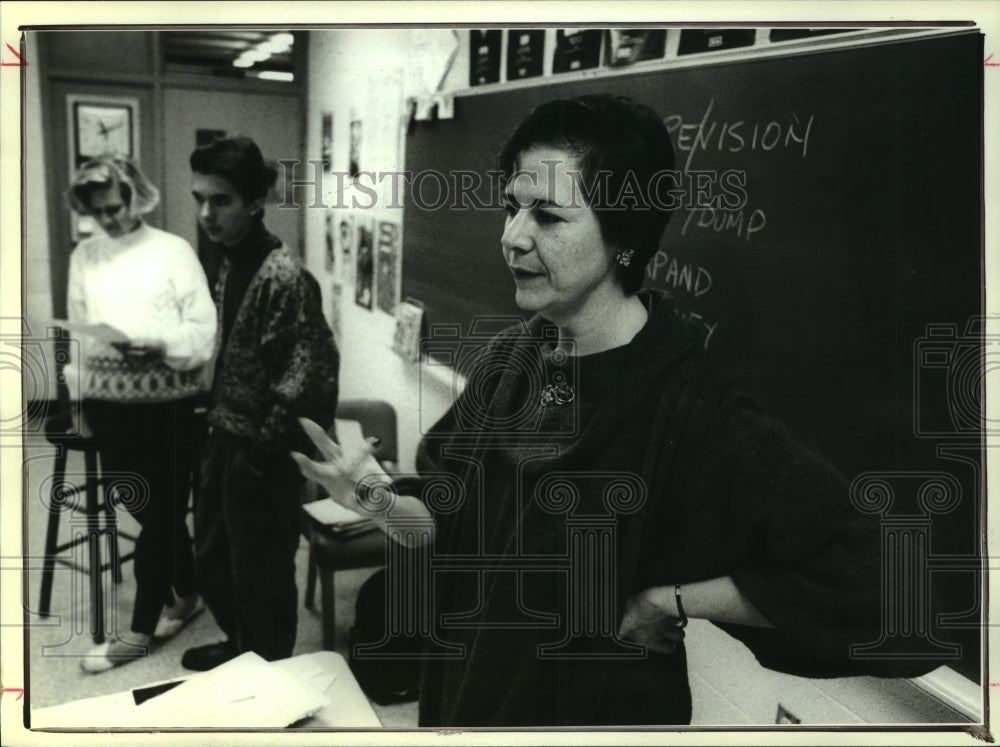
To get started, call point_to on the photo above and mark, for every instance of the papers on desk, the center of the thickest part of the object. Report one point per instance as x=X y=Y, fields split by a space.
x=244 y=692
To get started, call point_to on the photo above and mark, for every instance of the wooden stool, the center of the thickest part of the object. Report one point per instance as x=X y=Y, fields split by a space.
x=99 y=519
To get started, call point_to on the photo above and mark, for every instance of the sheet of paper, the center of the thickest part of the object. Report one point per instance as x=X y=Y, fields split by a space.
x=246 y=692
x=104 y=332
x=349 y=430
x=328 y=511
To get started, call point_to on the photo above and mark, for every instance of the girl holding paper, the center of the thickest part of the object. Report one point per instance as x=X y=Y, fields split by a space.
x=139 y=388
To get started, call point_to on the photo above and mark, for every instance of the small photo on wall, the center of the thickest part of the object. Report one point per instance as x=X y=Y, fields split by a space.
x=484 y=56
x=336 y=296
x=354 y=165
x=387 y=257
x=364 y=265
x=326 y=142
x=625 y=46
x=525 y=53
x=406 y=340
x=577 y=49
x=345 y=246
x=330 y=257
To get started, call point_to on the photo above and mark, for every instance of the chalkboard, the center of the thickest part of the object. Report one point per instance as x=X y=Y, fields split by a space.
x=845 y=296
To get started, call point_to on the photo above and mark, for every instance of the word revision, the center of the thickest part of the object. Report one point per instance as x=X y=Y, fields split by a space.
x=733 y=137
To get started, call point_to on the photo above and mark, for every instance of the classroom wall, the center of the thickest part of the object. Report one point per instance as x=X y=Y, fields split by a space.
x=366 y=75
x=274 y=122
x=372 y=73
x=37 y=272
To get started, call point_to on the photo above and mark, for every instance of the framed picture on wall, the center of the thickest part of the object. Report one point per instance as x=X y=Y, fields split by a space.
x=102 y=126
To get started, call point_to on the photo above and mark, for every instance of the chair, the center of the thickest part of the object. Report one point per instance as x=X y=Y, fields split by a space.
x=99 y=520
x=329 y=552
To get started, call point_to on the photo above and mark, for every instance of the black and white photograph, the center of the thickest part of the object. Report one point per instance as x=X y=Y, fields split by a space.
x=364 y=263
x=329 y=239
x=326 y=141
x=354 y=156
x=387 y=262
x=641 y=394
x=346 y=243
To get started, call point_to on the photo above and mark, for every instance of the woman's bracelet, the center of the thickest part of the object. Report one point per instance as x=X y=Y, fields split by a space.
x=683 y=621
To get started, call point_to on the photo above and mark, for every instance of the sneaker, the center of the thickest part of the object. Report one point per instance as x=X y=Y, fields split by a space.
x=111 y=654
x=167 y=627
x=209 y=656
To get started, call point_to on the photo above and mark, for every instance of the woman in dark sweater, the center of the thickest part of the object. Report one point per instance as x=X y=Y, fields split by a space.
x=612 y=484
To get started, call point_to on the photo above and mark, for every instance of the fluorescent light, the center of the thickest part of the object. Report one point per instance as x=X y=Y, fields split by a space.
x=242 y=62
x=275 y=75
x=257 y=55
x=272 y=47
x=285 y=39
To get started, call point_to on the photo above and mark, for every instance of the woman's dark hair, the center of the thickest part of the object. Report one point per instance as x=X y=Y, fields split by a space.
x=104 y=173
x=238 y=160
x=620 y=146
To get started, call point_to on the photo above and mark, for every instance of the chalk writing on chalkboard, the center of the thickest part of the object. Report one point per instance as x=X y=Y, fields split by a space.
x=670 y=272
x=734 y=136
x=740 y=223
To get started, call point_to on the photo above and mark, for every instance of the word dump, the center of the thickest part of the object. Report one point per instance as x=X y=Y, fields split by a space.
x=743 y=224
x=734 y=137
x=687 y=276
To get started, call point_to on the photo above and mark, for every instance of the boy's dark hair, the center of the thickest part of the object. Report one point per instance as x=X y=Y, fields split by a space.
x=238 y=160
x=612 y=137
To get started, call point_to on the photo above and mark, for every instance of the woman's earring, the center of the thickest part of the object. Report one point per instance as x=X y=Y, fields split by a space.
x=624 y=257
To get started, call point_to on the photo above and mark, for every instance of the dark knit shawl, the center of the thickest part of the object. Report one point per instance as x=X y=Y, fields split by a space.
x=706 y=486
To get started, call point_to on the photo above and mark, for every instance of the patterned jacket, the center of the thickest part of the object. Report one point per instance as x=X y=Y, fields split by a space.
x=280 y=361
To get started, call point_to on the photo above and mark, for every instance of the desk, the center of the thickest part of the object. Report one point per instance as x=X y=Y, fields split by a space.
x=347 y=706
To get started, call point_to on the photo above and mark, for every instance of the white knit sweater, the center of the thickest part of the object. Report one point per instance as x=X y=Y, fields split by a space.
x=148 y=284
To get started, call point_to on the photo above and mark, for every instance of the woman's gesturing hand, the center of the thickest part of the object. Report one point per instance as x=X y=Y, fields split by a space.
x=341 y=466
x=651 y=620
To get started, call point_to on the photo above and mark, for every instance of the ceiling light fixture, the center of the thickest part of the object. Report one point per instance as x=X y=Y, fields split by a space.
x=275 y=75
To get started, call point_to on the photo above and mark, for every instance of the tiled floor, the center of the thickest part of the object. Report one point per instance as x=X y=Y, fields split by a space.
x=53 y=645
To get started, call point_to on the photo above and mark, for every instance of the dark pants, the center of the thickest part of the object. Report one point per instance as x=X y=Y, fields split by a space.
x=246 y=533
x=147 y=454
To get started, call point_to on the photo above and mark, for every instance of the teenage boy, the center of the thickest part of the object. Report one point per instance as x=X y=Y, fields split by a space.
x=276 y=361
